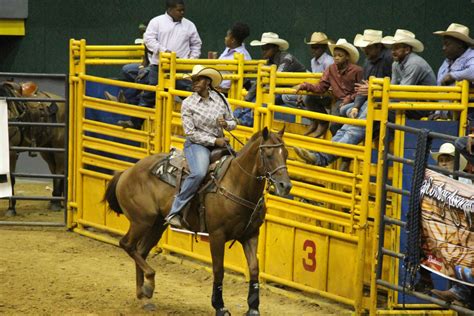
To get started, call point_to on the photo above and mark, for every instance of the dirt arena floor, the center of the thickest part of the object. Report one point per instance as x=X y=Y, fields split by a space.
x=46 y=271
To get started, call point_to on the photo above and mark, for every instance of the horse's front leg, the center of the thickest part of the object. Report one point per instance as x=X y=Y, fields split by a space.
x=250 y=250
x=217 y=242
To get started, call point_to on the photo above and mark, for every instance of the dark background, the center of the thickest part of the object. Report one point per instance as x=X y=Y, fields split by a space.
x=51 y=23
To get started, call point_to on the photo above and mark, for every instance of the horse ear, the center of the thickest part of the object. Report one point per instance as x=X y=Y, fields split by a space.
x=282 y=131
x=121 y=97
x=265 y=133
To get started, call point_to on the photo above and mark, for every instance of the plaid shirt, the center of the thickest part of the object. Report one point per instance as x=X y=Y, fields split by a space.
x=200 y=116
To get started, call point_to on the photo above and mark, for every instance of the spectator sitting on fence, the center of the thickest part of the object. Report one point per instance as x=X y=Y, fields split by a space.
x=274 y=51
x=319 y=63
x=379 y=64
x=459 y=294
x=169 y=32
x=234 y=42
x=459 y=62
x=341 y=77
x=136 y=72
x=409 y=69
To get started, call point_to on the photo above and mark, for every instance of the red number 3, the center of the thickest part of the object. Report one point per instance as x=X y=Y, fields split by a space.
x=309 y=264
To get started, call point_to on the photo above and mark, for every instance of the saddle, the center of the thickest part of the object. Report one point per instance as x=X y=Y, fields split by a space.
x=173 y=169
x=30 y=111
x=24 y=89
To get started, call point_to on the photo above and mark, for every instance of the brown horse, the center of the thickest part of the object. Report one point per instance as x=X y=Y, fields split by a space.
x=36 y=136
x=231 y=213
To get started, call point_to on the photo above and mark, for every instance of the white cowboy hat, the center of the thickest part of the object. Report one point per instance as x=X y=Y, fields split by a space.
x=404 y=37
x=449 y=149
x=369 y=37
x=271 y=38
x=458 y=31
x=348 y=47
x=318 y=38
x=139 y=41
x=211 y=73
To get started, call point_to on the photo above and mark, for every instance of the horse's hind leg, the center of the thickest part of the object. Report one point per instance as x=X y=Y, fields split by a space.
x=144 y=247
x=129 y=243
x=11 y=202
x=217 y=242
x=250 y=250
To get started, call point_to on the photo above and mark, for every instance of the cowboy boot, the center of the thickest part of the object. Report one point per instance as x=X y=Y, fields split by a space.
x=312 y=127
x=447 y=296
x=320 y=130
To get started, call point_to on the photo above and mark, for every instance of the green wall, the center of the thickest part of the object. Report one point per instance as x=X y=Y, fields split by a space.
x=51 y=23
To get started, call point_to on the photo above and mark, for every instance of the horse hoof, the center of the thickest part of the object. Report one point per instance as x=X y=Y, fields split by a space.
x=149 y=307
x=222 y=312
x=252 y=311
x=10 y=213
x=147 y=291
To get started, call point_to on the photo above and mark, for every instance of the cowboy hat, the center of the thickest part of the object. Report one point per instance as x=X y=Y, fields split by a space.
x=271 y=38
x=318 y=38
x=458 y=31
x=369 y=37
x=449 y=149
x=211 y=73
x=348 y=47
x=404 y=37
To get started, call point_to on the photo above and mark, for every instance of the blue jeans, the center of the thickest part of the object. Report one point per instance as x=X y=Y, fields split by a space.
x=347 y=134
x=198 y=158
x=148 y=98
x=461 y=146
x=130 y=73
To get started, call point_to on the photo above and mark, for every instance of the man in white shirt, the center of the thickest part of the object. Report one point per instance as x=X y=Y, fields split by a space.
x=169 y=32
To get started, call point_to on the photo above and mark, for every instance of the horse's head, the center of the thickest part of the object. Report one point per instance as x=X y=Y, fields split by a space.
x=272 y=162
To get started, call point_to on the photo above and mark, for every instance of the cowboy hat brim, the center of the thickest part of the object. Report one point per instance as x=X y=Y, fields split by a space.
x=462 y=160
x=359 y=41
x=413 y=42
x=277 y=41
x=352 y=51
x=459 y=36
x=211 y=73
x=321 y=42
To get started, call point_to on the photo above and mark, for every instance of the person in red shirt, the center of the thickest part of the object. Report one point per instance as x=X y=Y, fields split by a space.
x=341 y=77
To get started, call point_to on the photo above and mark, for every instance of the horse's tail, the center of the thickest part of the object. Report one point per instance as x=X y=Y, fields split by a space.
x=111 y=196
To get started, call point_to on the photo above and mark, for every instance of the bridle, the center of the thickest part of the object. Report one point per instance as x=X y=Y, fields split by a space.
x=267 y=174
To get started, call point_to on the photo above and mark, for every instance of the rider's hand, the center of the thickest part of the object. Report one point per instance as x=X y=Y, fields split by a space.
x=221 y=141
x=142 y=73
x=221 y=122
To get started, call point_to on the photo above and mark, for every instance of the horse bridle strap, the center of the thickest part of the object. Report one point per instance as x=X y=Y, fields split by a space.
x=235 y=198
x=268 y=174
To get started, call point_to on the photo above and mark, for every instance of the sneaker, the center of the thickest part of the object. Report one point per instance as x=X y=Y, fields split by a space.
x=307 y=156
x=174 y=220
x=126 y=124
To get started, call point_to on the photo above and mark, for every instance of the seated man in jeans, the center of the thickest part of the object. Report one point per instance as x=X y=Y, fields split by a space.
x=407 y=69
